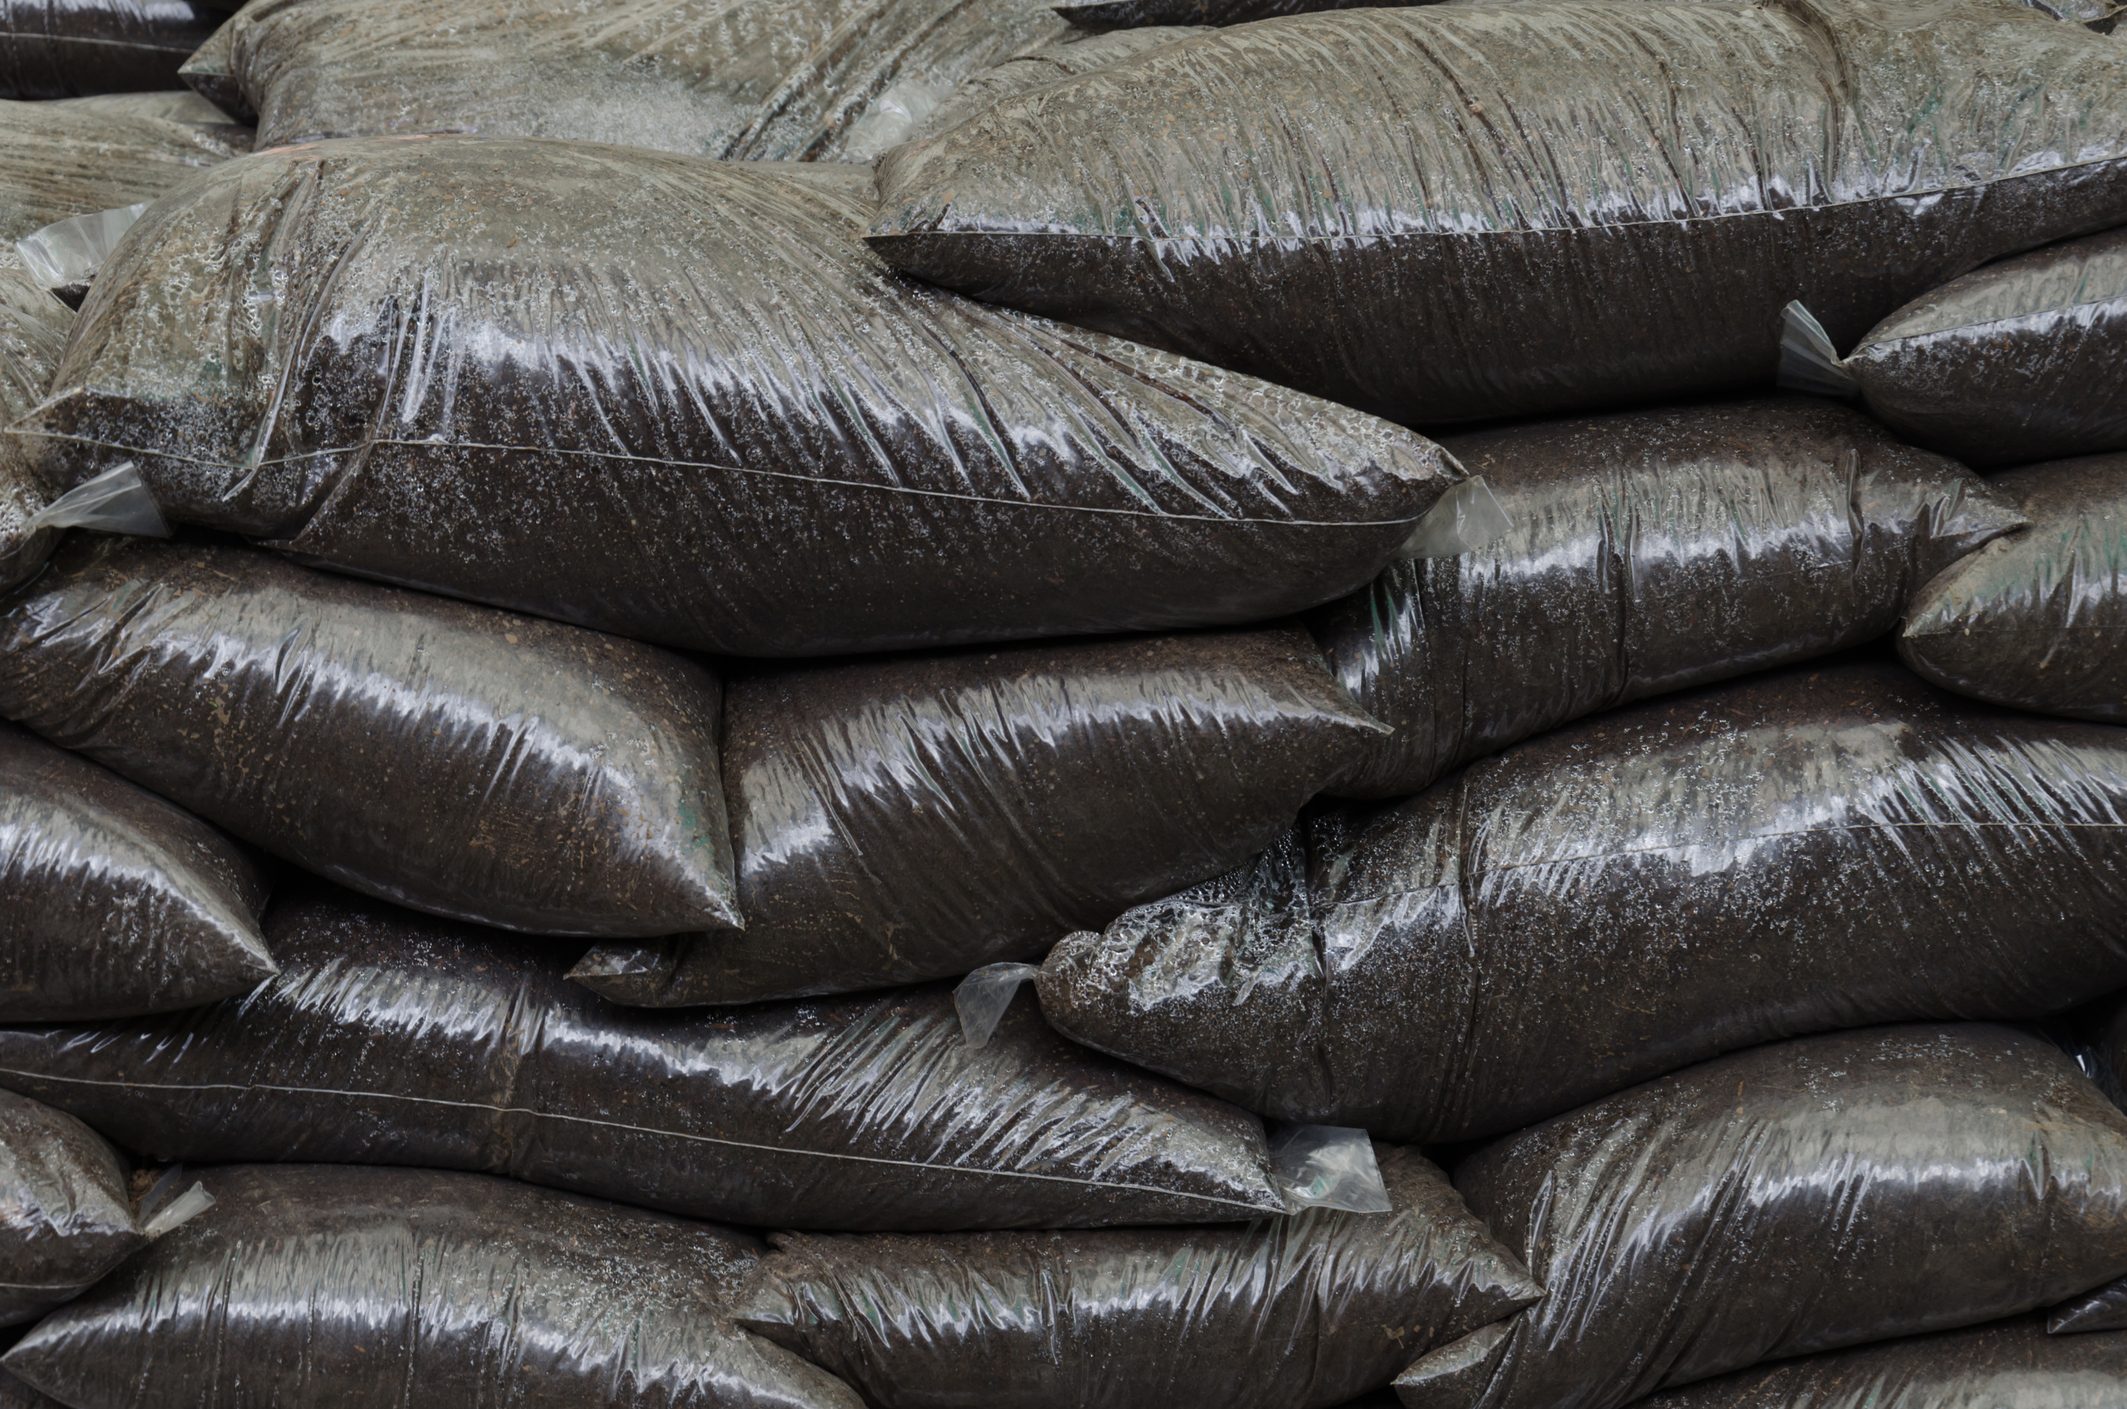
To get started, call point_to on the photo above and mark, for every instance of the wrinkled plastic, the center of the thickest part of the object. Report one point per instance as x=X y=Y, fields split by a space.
x=116 y=501
x=33 y=332
x=750 y=80
x=1068 y=56
x=1792 y=854
x=390 y=1038
x=2020 y=361
x=1457 y=212
x=1328 y=1166
x=2097 y=14
x=65 y=1217
x=1644 y=552
x=78 y=155
x=65 y=255
x=2096 y=1037
x=981 y=998
x=70 y=48
x=454 y=758
x=1297 y=1314
x=2014 y=1365
x=112 y=902
x=917 y=817
x=1800 y=1197
x=734 y=431
x=385 y=1289
x=2035 y=620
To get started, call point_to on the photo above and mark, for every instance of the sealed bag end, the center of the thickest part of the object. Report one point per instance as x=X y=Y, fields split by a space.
x=1808 y=359
x=65 y=255
x=116 y=501
x=638 y=975
x=983 y=996
x=1328 y=1166
x=170 y=1204
x=1454 y=1376
x=1462 y=520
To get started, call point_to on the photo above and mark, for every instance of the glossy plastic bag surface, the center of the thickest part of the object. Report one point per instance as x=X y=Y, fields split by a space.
x=390 y=1038
x=33 y=329
x=1291 y=1314
x=1071 y=54
x=1458 y=212
x=678 y=400
x=455 y=758
x=68 y=48
x=1806 y=851
x=112 y=902
x=917 y=817
x=1646 y=552
x=2096 y=1037
x=76 y=155
x=2035 y=620
x=395 y=1288
x=1799 y=1197
x=66 y=1217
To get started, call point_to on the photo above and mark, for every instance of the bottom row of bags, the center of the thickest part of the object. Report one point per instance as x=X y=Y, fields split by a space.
x=1786 y=1201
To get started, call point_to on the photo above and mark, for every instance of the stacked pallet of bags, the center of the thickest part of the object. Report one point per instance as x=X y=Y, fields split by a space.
x=914 y=704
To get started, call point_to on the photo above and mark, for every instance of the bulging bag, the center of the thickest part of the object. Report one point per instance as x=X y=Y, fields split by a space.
x=1645 y=552
x=66 y=1217
x=1067 y=56
x=1795 y=1198
x=1643 y=890
x=391 y=1038
x=1295 y=1314
x=2019 y=361
x=446 y=756
x=915 y=817
x=2014 y=1365
x=33 y=329
x=1459 y=212
x=112 y=902
x=2035 y=620
x=678 y=400
x=67 y=48
x=384 y=1288
x=76 y=155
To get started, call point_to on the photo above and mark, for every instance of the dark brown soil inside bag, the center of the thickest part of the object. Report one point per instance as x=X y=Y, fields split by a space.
x=458 y=759
x=390 y=1038
x=2035 y=620
x=918 y=817
x=113 y=902
x=1448 y=213
x=2014 y=1365
x=67 y=48
x=2096 y=1037
x=33 y=329
x=1805 y=1196
x=65 y=1215
x=77 y=155
x=1291 y=1314
x=678 y=399
x=384 y=1289
x=1647 y=552
x=1197 y=12
x=1633 y=893
x=2019 y=361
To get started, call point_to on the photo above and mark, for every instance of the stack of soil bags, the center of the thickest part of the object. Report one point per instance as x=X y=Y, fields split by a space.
x=1453 y=212
x=68 y=48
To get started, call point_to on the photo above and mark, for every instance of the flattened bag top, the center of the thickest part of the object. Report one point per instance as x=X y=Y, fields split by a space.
x=1646 y=551
x=751 y=80
x=678 y=400
x=67 y=48
x=2035 y=620
x=391 y=1038
x=451 y=757
x=418 y=1287
x=1806 y=851
x=1294 y=1314
x=920 y=816
x=65 y=1217
x=73 y=156
x=1795 y=1198
x=1459 y=212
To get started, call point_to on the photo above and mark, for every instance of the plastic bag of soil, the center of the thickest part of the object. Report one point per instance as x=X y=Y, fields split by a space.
x=1636 y=892
x=1800 y=1197
x=2096 y=1036
x=1646 y=552
x=67 y=48
x=750 y=80
x=77 y=155
x=2019 y=361
x=2034 y=620
x=33 y=329
x=2097 y=14
x=455 y=758
x=915 y=817
x=759 y=441
x=112 y=902
x=1405 y=209
x=1297 y=1314
x=66 y=1215
x=2013 y=1365
x=392 y=1038
x=1073 y=53
x=380 y=1289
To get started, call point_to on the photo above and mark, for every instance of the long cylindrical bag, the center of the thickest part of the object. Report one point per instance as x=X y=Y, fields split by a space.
x=392 y=1038
x=1806 y=851
x=68 y=48
x=74 y=156
x=678 y=400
